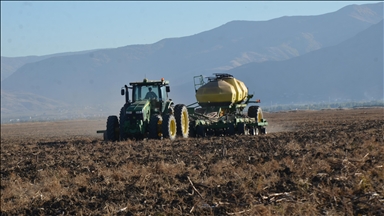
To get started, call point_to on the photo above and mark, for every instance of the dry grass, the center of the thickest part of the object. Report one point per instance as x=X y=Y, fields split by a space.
x=330 y=167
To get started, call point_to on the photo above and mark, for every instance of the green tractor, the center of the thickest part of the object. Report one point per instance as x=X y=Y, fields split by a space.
x=150 y=114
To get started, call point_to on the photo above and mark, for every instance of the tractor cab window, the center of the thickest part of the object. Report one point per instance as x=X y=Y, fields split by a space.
x=151 y=92
x=145 y=92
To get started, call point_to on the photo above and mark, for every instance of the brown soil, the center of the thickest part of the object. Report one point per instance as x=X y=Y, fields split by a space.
x=328 y=162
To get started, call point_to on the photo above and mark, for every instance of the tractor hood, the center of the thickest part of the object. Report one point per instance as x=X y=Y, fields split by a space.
x=138 y=106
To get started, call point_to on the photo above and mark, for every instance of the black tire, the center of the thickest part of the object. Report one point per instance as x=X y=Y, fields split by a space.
x=182 y=120
x=192 y=129
x=255 y=112
x=200 y=131
x=169 y=127
x=252 y=111
x=123 y=119
x=112 y=132
x=154 y=127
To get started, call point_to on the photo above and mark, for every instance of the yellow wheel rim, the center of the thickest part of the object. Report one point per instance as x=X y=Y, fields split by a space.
x=259 y=115
x=172 y=127
x=184 y=122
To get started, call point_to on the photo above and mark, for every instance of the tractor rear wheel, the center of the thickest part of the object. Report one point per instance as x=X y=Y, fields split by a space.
x=169 y=127
x=112 y=133
x=182 y=120
x=155 y=127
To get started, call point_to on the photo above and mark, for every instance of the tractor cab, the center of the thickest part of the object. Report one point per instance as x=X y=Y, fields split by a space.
x=153 y=91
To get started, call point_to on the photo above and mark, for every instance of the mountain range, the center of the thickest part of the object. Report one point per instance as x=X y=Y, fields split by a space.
x=298 y=59
x=351 y=70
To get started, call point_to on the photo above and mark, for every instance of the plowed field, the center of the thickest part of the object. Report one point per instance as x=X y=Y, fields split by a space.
x=328 y=162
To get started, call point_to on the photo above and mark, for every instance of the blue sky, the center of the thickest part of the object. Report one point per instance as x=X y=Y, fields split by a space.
x=43 y=27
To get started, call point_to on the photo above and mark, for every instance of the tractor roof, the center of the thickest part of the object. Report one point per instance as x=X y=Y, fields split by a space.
x=150 y=82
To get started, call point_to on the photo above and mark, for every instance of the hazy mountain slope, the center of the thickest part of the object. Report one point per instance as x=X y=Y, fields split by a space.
x=11 y=64
x=351 y=70
x=241 y=42
x=27 y=103
x=75 y=79
x=95 y=78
